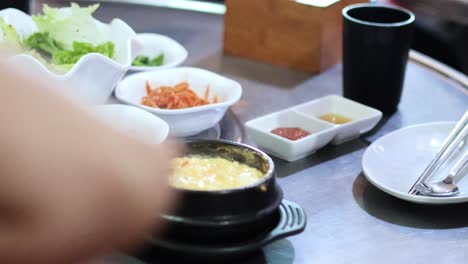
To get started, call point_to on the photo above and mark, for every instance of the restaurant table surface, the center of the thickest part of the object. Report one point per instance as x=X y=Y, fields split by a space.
x=349 y=220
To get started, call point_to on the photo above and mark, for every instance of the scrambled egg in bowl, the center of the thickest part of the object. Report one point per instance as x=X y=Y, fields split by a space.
x=212 y=173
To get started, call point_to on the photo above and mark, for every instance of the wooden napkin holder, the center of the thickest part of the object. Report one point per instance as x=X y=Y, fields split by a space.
x=303 y=35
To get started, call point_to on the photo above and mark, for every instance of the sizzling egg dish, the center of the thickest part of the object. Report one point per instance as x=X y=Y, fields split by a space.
x=210 y=174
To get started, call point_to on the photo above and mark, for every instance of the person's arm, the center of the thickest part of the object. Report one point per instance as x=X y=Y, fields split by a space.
x=70 y=187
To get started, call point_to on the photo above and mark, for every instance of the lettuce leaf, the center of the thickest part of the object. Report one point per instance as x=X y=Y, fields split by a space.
x=9 y=38
x=44 y=43
x=79 y=50
x=66 y=35
x=70 y=24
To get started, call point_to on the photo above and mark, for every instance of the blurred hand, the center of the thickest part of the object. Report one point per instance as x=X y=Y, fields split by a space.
x=71 y=188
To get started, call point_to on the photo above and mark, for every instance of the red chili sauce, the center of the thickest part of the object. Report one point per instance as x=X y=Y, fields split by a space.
x=291 y=133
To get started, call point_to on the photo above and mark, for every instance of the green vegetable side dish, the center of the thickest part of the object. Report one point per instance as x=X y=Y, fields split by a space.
x=63 y=37
x=42 y=42
x=142 y=60
x=80 y=49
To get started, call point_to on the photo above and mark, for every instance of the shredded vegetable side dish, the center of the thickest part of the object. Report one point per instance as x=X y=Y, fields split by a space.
x=178 y=97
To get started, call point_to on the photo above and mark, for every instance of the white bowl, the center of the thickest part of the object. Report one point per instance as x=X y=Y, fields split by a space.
x=155 y=44
x=259 y=130
x=94 y=76
x=364 y=118
x=134 y=122
x=188 y=121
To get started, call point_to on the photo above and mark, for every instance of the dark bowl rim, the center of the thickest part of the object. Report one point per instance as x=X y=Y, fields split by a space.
x=268 y=175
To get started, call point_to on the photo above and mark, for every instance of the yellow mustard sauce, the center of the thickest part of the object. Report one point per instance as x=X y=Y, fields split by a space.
x=210 y=174
x=335 y=119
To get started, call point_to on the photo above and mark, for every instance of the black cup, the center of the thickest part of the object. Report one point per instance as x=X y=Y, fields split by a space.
x=376 y=43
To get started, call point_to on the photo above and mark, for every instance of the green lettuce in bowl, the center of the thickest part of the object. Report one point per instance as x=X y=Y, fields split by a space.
x=66 y=36
x=70 y=45
x=62 y=57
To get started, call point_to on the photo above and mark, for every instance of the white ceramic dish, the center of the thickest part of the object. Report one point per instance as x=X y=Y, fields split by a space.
x=364 y=118
x=94 y=76
x=133 y=121
x=259 y=130
x=306 y=116
x=395 y=161
x=189 y=121
x=155 y=44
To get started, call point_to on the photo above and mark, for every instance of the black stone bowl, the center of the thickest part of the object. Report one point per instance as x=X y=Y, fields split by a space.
x=231 y=214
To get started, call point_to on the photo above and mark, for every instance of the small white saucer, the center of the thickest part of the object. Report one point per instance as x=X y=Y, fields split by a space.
x=395 y=161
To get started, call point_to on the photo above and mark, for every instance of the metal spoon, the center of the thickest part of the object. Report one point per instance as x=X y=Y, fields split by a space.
x=447 y=187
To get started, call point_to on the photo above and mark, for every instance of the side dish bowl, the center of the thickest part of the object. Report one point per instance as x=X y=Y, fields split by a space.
x=187 y=121
x=94 y=76
x=154 y=45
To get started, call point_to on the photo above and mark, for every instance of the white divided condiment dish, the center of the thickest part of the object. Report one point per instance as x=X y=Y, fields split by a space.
x=307 y=117
x=363 y=118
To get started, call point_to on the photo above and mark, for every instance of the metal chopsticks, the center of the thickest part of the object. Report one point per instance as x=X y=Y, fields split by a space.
x=450 y=144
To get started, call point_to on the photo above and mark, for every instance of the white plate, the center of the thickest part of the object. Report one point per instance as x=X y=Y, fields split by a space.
x=155 y=44
x=188 y=121
x=134 y=122
x=394 y=162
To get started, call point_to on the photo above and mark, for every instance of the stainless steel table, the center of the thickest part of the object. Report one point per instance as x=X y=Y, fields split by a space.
x=349 y=220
